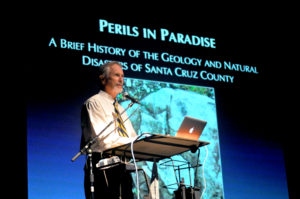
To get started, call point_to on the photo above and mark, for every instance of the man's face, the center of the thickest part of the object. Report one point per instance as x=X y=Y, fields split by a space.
x=114 y=84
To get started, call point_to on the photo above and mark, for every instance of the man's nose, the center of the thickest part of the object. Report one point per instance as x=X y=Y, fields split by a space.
x=121 y=80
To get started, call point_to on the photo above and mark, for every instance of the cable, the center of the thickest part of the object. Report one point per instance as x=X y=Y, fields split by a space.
x=203 y=172
x=197 y=165
x=136 y=170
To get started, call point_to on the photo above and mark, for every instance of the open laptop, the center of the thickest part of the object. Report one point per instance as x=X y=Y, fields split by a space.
x=191 y=128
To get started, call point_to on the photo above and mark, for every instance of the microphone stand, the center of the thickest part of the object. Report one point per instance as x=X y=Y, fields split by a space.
x=87 y=148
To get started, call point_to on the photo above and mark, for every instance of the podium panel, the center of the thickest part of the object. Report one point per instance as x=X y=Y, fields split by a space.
x=156 y=147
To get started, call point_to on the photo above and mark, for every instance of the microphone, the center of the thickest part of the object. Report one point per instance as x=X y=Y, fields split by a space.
x=127 y=96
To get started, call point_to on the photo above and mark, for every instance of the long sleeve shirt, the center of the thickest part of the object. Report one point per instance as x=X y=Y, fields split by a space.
x=97 y=112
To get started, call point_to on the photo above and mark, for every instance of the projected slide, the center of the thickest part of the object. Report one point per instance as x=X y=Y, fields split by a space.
x=175 y=69
x=163 y=108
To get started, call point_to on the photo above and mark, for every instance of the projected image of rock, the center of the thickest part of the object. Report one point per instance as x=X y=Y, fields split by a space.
x=164 y=106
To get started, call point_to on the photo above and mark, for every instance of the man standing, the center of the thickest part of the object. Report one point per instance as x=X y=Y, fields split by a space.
x=97 y=112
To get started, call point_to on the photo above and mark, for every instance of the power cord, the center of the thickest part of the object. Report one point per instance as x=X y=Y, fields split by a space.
x=204 y=180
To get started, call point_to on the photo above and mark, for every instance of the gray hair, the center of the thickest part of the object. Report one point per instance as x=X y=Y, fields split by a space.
x=105 y=69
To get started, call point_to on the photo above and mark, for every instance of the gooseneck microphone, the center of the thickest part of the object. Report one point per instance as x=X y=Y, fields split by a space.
x=127 y=96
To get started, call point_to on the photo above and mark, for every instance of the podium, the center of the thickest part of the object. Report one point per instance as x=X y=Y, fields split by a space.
x=156 y=147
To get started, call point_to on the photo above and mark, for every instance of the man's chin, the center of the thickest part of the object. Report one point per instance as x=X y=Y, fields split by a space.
x=118 y=90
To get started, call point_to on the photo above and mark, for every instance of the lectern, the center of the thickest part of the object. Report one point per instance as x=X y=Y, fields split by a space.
x=156 y=147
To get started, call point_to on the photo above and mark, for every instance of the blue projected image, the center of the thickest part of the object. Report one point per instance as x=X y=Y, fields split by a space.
x=53 y=131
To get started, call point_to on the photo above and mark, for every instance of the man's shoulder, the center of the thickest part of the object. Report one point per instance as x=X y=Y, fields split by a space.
x=93 y=99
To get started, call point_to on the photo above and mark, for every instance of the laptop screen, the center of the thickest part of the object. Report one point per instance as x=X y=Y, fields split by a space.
x=191 y=128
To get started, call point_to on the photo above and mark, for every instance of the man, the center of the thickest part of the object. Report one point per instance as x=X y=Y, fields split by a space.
x=98 y=111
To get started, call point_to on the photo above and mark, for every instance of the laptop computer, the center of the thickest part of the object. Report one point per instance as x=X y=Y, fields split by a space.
x=191 y=128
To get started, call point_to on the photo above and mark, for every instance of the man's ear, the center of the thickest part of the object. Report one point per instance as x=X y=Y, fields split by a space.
x=102 y=79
